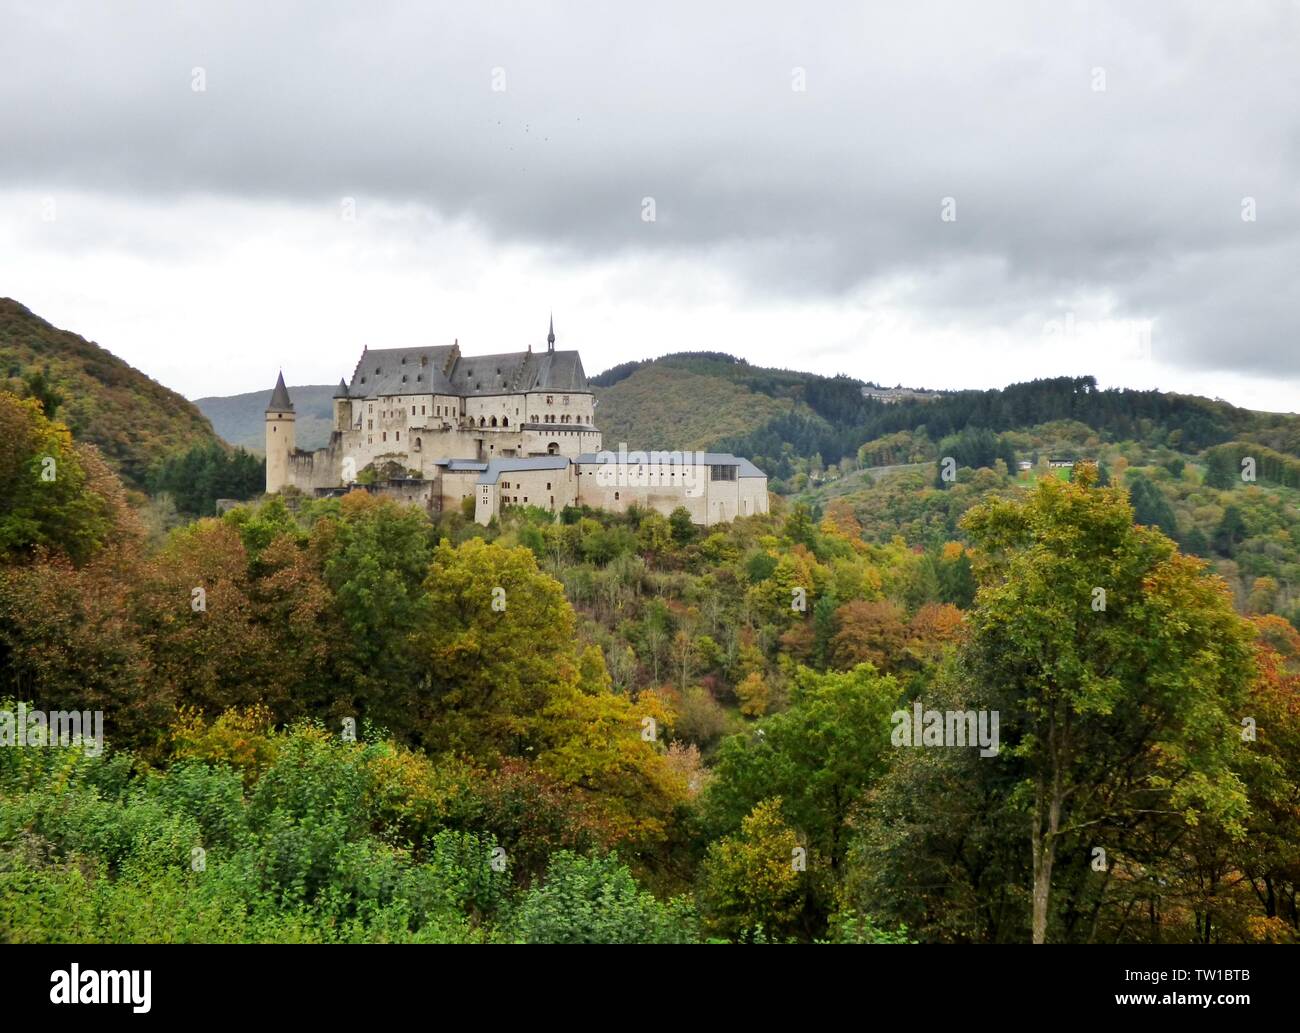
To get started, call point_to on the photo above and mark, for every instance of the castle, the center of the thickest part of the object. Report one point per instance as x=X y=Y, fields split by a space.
x=435 y=427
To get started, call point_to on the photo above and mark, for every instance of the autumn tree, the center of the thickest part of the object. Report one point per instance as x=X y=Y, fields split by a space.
x=751 y=881
x=871 y=632
x=46 y=500
x=1118 y=668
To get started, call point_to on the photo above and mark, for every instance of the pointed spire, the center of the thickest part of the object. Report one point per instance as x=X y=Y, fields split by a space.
x=342 y=390
x=280 y=397
x=550 y=335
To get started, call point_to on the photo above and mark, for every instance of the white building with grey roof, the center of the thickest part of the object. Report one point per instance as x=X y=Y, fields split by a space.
x=434 y=426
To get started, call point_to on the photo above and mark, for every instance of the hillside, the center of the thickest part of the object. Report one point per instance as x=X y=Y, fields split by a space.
x=133 y=420
x=663 y=407
x=240 y=419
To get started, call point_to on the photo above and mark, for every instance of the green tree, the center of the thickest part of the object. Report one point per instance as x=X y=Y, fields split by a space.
x=46 y=497
x=1230 y=533
x=1106 y=714
x=497 y=649
x=596 y=900
x=751 y=882
x=819 y=756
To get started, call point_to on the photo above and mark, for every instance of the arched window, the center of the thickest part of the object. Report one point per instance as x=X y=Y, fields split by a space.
x=553 y=448
x=482 y=422
x=494 y=421
x=419 y=443
x=505 y=421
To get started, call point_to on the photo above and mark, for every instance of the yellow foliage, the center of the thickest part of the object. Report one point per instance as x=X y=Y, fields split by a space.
x=244 y=738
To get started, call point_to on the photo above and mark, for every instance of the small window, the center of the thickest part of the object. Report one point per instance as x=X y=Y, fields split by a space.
x=385 y=435
x=615 y=496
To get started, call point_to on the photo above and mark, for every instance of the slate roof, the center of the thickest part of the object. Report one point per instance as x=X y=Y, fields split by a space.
x=499 y=466
x=401 y=371
x=280 y=397
x=511 y=372
x=409 y=371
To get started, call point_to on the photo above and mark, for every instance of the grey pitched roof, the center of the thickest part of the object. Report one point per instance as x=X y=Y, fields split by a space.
x=342 y=391
x=674 y=457
x=499 y=466
x=401 y=371
x=280 y=397
x=518 y=371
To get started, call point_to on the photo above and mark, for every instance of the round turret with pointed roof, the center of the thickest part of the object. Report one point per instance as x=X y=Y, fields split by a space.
x=342 y=390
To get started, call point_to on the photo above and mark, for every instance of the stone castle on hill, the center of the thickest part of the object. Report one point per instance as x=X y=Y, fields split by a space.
x=435 y=427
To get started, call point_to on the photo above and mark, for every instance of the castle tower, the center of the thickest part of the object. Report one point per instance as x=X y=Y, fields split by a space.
x=279 y=437
x=342 y=408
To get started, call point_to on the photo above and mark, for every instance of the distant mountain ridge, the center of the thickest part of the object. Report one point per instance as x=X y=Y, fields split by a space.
x=132 y=419
x=241 y=419
x=789 y=422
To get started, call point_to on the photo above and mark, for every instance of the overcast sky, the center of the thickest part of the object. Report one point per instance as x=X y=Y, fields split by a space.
x=948 y=195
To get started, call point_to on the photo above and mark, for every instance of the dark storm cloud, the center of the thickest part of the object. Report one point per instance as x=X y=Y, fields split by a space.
x=1061 y=190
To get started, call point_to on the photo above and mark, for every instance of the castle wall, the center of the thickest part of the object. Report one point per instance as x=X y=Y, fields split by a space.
x=323 y=468
x=664 y=486
x=574 y=408
x=455 y=486
x=548 y=489
x=569 y=441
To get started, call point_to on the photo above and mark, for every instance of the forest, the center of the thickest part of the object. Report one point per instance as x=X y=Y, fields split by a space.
x=346 y=720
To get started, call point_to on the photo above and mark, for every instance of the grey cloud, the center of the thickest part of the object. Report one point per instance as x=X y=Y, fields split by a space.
x=1060 y=190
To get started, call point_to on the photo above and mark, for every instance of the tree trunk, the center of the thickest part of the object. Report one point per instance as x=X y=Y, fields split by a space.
x=1047 y=812
x=1044 y=855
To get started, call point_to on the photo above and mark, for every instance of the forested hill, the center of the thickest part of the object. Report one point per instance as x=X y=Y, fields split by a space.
x=788 y=422
x=134 y=420
x=241 y=419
